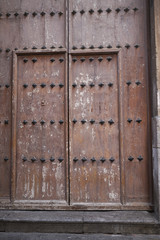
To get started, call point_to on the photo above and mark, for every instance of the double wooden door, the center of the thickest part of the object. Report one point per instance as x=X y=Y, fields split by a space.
x=80 y=104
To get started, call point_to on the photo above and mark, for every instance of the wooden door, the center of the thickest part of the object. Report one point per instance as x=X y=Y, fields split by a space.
x=76 y=134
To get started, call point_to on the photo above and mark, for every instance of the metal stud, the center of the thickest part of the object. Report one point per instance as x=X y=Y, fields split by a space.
x=6 y=159
x=102 y=159
x=52 y=47
x=136 y=46
x=74 y=60
x=140 y=158
x=25 y=48
x=43 y=13
x=92 y=121
x=61 y=121
x=129 y=120
x=130 y=158
x=91 y=47
x=33 y=159
x=111 y=159
x=101 y=84
x=110 y=84
x=93 y=159
x=60 y=159
x=34 y=122
x=135 y=9
x=34 y=14
x=74 y=12
x=52 y=60
x=26 y=14
x=61 y=85
x=0 y=49
x=8 y=50
x=91 y=59
x=82 y=59
x=25 y=122
x=25 y=85
x=109 y=59
x=74 y=121
x=91 y=85
x=25 y=60
x=83 y=47
x=34 y=85
x=111 y=121
x=16 y=49
x=100 y=47
x=42 y=122
x=8 y=14
x=109 y=46
x=83 y=121
x=139 y=120
x=83 y=85
x=102 y=122
x=126 y=10
x=60 y=13
x=74 y=85
x=42 y=160
x=44 y=47
x=128 y=83
x=0 y=14
x=138 y=82
x=52 y=85
x=118 y=10
x=34 y=60
x=34 y=47
x=108 y=10
x=43 y=85
x=52 y=122
x=61 y=60
x=6 y=122
x=100 y=11
x=60 y=46
x=127 y=46
x=100 y=59
x=52 y=159
x=84 y=159
x=91 y=11
x=74 y=47
x=7 y=86
x=75 y=159
x=82 y=12
x=16 y=14
x=118 y=46
x=24 y=159
x=52 y=13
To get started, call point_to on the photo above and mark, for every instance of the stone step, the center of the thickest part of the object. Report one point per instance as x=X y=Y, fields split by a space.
x=63 y=236
x=108 y=222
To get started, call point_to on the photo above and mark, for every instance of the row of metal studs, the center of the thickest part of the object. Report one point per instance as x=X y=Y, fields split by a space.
x=43 y=85
x=34 y=14
x=42 y=122
x=33 y=159
x=108 y=10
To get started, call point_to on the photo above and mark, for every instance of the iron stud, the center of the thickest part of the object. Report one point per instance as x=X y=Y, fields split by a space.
x=52 y=14
x=109 y=46
x=118 y=10
x=44 y=47
x=108 y=10
x=83 y=85
x=74 y=121
x=61 y=60
x=52 y=159
x=25 y=48
x=24 y=159
x=118 y=46
x=74 y=12
x=93 y=159
x=52 y=122
x=75 y=159
x=74 y=60
x=127 y=46
x=129 y=120
x=34 y=14
x=25 y=85
x=34 y=85
x=42 y=122
x=52 y=47
x=100 y=47
x=6 y=159
x=136 y=46
x=111 y=159
x=42 y=160
x=34 y=122
x=8 y=50
x=128 y=83
x=61 y=121
x=8 y=14
x=82 y=59
x=43 y=85
x=91 y=47
x=34 y=47
x=100 y=11
x=61 y=46
x=60 y=13
x=91 y=59
x=7 y=85
x=16 y=49
x=6 y=122
x=110 y=84
x=61 y=85
x=111 y=121
x=139 y=120
x=101 y=84
x=74 y=85
x=83 y=47
x=25 y=122
x=33 y=159
x=100 y=59
x=101 y=122
x=0 y=14
x=84 y=159
x=82 y=12
x=43 y=13
x=0 y=49
x=138 y=83
x=26 y=14
x=102 y=159
x=52 y=85
x=109 y=59
x=91 y=85
x=135 y=9
x=126 y=10
x=60 y=159
x=74 y=47
x=34 y=60
x=140 y=158
x=16 y=14
x=130 y=158
x=25 y=60
x=52 y=60
x=91 y=11
x=83 y=121
x=92 y=121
